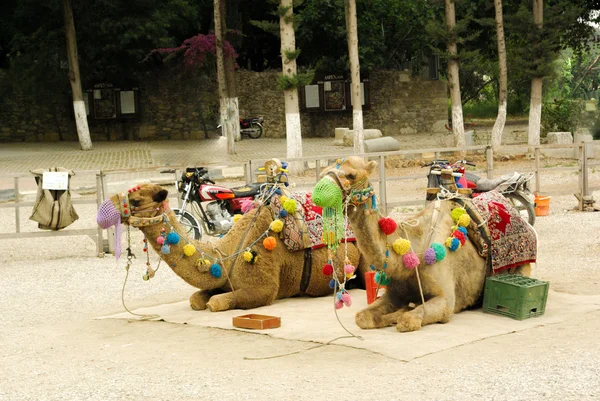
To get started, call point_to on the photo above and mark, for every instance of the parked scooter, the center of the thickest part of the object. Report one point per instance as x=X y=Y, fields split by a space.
x=513 y=186
x=197 y=187
x=251 y=127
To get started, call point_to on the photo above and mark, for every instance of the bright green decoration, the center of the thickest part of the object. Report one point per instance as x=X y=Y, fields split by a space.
x=329 y=196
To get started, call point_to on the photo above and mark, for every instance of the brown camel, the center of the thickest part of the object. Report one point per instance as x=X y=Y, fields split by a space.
x=448 y=286
x=239 y=284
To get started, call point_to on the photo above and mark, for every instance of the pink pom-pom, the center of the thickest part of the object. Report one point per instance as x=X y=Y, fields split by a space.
x=327 y=269
x=339 y=304
x=349 y=269
x=160 y=240
x=459 y=236
x=387 y=225
x=410 y=260
x=429 y=256
x=346 y=299
x=247 y=205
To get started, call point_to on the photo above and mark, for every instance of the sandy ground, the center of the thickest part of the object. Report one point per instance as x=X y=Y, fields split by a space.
x=53 y=349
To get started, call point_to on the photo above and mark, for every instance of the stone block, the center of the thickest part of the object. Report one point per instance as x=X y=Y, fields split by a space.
x=339 y=136
x=384 y=144
x=367 y=134
x=564 y=138
x=582 y=136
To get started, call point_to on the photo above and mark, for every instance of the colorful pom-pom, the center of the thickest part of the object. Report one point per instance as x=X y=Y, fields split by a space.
x=381 y=278
x=339 y=304
x=346 y=299
x=401 y=246
x=173 y=238
x=452 y=243
x=237 y=217
x=327 y=269
x=283 y=213
x=429 y=256
x=338 y=296
x=215 y=270
x=349 y=269
x=457 y=212
x=440 y=251
x=290 y=206
x=165 y=249
x=160 y=240
x=332 y=283
x=276 y=226
x=282 y=199
x=464 y=220
x=387 y=225
x=459 y=236
x=463 y=230
x=248 y=257
x=247 y=205
x=270 y=243
x=410 y=260
x=189 y=250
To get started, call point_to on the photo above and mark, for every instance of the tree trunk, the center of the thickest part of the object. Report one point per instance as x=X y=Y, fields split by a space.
x=292 y=110
x=535 y=106
x=83 y=131
x=221 y=80
x=458 y=128
x=502 y=79
x=233 y=108
x=356 y=93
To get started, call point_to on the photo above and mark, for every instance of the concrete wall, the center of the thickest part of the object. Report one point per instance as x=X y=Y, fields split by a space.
x=177 y=106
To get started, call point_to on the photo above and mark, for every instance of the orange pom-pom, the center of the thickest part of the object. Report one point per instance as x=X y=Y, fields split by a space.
x=270 y=243
x=387 y=225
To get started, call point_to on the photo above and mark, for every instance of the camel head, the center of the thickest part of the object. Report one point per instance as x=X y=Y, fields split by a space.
x=141 y=201
x=341 y=179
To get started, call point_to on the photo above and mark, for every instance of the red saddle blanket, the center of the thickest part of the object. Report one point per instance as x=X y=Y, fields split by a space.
x=513 y=242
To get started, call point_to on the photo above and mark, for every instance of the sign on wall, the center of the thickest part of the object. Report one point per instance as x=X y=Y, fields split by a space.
x=105 y=102
x=332 y=93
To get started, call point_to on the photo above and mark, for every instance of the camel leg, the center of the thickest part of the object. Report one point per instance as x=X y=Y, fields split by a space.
x=373 y=317
x=241 y=299
x=199 y=299
x=437 y=310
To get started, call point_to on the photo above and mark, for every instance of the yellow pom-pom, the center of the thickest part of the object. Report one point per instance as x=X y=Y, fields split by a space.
x=282 y=199
x=457 y=212
x=248 y=256
x=453 y=228
x=290 y=206
x=237 y=217
x=201 y=262
x=401 y=246
x=448 y=242
x=189 y=250
x=276 y=226
x=464 y=220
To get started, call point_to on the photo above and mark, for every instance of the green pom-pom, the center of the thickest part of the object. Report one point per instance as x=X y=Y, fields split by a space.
x=457 y=212
x=290 y=206
x=440 y=251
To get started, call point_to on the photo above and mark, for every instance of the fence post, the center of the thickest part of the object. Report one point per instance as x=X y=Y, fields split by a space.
x=537 y=171
x=110 y=231
x=99 y=235
x=247 y=172
x=489 y=155
x=382 y=193
x=17 y=212
x=317 y=169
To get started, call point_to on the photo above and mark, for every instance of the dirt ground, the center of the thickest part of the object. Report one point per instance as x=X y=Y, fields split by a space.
x=52 y=348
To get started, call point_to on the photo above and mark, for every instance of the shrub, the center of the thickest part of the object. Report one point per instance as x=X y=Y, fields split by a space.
x=561 y=115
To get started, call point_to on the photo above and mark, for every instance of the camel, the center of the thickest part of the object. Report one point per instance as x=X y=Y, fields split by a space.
x=237 y=284
x=449 y=286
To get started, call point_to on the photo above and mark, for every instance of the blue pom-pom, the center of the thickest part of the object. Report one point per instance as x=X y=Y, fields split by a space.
x=463 y=230
x=454 y=244
x=283 y=213
x=338 y=296
x=215 y=270
x=278 y=191
x=173 y=238
x=165 y=249
x=332 y=283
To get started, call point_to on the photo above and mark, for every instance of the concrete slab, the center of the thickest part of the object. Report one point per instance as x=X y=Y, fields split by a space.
x=313 y=320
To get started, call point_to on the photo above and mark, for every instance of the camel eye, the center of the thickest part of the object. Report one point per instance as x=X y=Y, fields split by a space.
x=351 y=176
x=135 y=202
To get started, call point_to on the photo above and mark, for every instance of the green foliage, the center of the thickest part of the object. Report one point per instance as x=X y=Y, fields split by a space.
x=561 y=115
x=292 y=55
x=281 y=10
x=286 y=82
x=267 y=26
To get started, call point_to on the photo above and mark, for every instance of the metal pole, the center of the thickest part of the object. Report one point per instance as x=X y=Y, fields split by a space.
x=17 y=211
x=537 y=171
x=586 y=190
x=317 y=169
x=382 y=194
x=110 y=231
x=489 y=155
x=247 y=172
x=581 y=148
x=99 y=235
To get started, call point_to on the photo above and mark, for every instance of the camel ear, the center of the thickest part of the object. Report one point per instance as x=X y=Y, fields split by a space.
x=160 y=196
x=371 y=166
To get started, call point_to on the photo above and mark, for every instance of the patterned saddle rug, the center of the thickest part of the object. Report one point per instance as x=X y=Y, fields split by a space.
x=511 y=241
x=305 y=228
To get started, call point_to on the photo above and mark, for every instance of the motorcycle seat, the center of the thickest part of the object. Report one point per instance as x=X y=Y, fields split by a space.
x=246 y=190
x=486 y=184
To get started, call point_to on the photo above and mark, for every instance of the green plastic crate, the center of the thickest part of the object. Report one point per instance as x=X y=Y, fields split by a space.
x=515 y=296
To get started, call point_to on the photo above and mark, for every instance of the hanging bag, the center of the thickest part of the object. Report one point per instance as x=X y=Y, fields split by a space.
x=53 y=209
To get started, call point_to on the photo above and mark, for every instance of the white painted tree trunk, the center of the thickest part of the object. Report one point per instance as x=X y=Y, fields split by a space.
x=535 y=106
x=233 y=109
x=83 y=131
x=502 y=79
x=458 y=127
x=293 y=128
x=356 y=93
x=224 y=103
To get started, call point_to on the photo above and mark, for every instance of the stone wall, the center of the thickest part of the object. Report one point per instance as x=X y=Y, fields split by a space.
x=176 y=106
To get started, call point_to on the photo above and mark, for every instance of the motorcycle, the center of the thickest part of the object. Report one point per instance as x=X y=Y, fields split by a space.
x=251 y=127
x=513 y=186
x=216 y=218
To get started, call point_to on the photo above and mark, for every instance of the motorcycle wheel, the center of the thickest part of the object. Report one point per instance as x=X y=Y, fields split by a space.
x=255 y=131
x=190 y=224
x=525 y=208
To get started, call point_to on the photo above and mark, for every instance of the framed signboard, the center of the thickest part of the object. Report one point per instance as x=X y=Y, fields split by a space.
x=332 y=93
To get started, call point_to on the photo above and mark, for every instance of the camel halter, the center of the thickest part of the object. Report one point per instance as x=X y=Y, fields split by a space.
x=351 y=192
